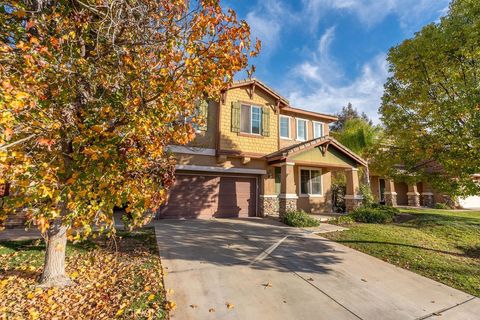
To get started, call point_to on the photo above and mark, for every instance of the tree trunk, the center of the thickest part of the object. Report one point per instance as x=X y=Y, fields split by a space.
x=54 y=274
x=367 y=176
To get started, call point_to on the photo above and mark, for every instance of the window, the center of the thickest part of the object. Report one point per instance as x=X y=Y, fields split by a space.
x=302 y=130
x=284 y=127
x=310 y=182
x=278 y=179
x=317 y=129
x=251 y=119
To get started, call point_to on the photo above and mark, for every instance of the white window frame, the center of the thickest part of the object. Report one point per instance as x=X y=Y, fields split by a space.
x=289 y=128
x=306 y=129
x=323 y=128
x=310 y=195
x=251 y=106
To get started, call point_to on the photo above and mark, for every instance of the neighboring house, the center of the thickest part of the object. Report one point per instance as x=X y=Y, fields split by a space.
x=397 y=193
x=259 y=156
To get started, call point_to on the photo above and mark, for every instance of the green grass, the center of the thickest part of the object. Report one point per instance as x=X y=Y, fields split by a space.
x=443 y=245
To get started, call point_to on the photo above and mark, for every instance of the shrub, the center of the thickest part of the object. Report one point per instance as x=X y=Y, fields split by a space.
x=442 y=206
x=344 y=220
x=374 y=214
x=367 y=194
x=299 y=219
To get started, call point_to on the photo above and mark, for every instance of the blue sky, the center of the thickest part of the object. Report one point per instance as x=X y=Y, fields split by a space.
x=322 y=54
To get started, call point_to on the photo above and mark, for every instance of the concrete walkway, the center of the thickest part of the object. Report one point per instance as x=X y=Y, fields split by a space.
x=259 y=269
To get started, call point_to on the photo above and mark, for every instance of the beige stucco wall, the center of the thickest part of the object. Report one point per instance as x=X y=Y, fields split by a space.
x=293 y=128
x=315 y=204
x=375 y=187
x=211 y=161
x=239 y=142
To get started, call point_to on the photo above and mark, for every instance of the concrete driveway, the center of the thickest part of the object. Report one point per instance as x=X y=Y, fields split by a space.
x=259 y=269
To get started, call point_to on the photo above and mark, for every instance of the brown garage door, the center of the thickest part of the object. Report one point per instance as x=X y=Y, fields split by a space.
x=204 y=196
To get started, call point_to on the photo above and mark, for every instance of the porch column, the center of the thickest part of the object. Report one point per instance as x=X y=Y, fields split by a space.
x=413 y=196
x=390 y=194
x=288 y=193
x=427 y=198
x=353 y=198
x=268 y=204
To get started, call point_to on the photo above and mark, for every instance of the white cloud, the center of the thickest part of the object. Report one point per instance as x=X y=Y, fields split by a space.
x=325 y=89
x=371 y=12
x=266 y=22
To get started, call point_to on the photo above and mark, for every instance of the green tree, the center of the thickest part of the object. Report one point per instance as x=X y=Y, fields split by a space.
x=360 y=136
x=348 y=112
x=91 y=94
x=431 y=103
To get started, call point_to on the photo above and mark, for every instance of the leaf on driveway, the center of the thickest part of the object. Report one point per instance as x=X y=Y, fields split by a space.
x=229 y=305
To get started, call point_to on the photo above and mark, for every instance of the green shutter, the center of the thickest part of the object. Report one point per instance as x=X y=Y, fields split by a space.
x=236 y=117
x=266 y=121
x=203 y=112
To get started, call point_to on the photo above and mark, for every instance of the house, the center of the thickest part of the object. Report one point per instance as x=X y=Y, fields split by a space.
x=399 y=193
x=259 y=156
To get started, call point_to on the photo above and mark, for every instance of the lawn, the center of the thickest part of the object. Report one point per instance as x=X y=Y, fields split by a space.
x=112 y=279
x=443 y=245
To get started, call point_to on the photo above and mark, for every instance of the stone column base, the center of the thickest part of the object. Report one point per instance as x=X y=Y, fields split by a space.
x=391 y=198
x=353 y=202
x=287 y=202
x=269 y=206
x=413 y=199
x=427 y=199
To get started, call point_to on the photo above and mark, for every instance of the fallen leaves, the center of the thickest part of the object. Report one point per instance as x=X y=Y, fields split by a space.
x=107 y=284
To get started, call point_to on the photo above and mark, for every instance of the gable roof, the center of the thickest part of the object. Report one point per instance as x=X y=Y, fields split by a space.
x=289 y=151
x=260 y=84
x=310 y=113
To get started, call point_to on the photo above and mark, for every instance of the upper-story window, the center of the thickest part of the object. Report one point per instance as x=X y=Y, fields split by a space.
x=317 y=129
x=302 y=130
x=284 y=127
x=251 y=119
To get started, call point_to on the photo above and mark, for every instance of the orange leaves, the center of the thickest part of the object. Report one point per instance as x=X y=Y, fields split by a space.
x=46 y=142
x=104 y=102
x=126 y=284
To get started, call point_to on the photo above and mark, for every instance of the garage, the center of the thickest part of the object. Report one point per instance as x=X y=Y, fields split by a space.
x=211 y=196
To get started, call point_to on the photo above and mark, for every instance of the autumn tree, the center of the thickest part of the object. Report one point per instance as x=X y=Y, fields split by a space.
x=431 y=104
x=92 y=91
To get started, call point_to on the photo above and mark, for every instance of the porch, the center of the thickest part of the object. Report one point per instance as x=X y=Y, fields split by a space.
x=300 y=177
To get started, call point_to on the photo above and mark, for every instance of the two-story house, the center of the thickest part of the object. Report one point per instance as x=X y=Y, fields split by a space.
x=259 y=156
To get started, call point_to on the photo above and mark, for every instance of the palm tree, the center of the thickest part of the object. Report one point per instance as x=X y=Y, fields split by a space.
x=359 y=136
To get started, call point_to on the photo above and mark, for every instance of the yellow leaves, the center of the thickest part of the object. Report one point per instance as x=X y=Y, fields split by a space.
x=229 y=305
x=170 y=305
x=137 y=101
x=8 y=133
x=97 y=128
x=19 y=13
x=33 y=314
x=151 y=297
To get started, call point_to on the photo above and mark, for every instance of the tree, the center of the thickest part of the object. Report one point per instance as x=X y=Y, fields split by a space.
x=360 y=136
x=348 y=112
x=431 y=103
x=91 y=94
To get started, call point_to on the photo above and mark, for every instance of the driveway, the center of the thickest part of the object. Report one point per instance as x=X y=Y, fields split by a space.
x=260 y=269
